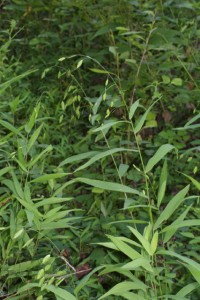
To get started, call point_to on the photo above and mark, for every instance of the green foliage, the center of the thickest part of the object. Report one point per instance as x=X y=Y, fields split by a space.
x=99 y=145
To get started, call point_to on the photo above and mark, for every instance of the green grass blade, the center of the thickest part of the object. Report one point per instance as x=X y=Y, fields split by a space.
x=145 y=243
x=162 y=184
x=102 y=155
x=133 y=108
x=5 y=170
x=185 y=223
x=34 y=138
x=6 y=84
x=141 y=121
x=192 y=265
x=170 y=232
x=11 y=128
x=47 y=177
x=124 y=248
x=171 y=207
x=108 y=125
x=58 y=292
x=187 y=289
x=194 y=181
x=34 y=160
x=160 y=153
x=137 y=263
x=122 y=287
x=78 y=157
x=104 y=185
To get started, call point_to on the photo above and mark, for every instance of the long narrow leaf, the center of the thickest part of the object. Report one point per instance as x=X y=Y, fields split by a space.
x=194 y=181
x=104 y=185
x=141 y=121
x=11 y=128
x=122 y=287
x=192 y=265
x=47 y=177
x=102 y=155
x=160 y=153
x=61 y=293
x=171 y=207
x=162 y=184
x=108 y=125
x=34 y=138
x=145 y=243
x=78 y=157
x=34 y=160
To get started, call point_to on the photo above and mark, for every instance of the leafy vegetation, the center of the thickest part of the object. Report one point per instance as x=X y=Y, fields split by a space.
x=99 y=195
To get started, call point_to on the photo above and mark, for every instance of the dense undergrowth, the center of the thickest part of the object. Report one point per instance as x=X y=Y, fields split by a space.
x=99 y=135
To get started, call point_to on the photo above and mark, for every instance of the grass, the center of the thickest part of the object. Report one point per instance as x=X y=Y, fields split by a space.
x=99 y=156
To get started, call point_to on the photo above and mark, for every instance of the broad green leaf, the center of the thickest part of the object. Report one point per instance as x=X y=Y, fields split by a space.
x=194 y=271
x=124 y=248
x=137 y=263
x=52 y=212
x=52 y=200
x=188 y=127
x=110 y=186
x=147 y=231
x=78 y=157
x=33 y=117
x=122 y=287
x=171 y=207
x=123 y=169
x=59 y=216
x=47 y=177
x=170 y=232
x=187 y=289
x=64 y=223
x=17 y=186
x=162 y=184
x=104 y=185
x=29 y=206
x=145 y=243
x=5 y=170
x=108 y=125
x=34 y=138
x=133 y=108
x=160 y=153
x=192 y=265
x=131 y=296
x=96 y=105
x=39 y=156
x=154 y=242
x=194 y=181
x=27 y=287
x=24 y=266
x=166 y=79
x=177 y=81
x=21 y=165
x=141 y=121
x=108 y=245
x=85 y=279
x=102 y=155
x=185 y=223
x=57 y=291
x=11 y=128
